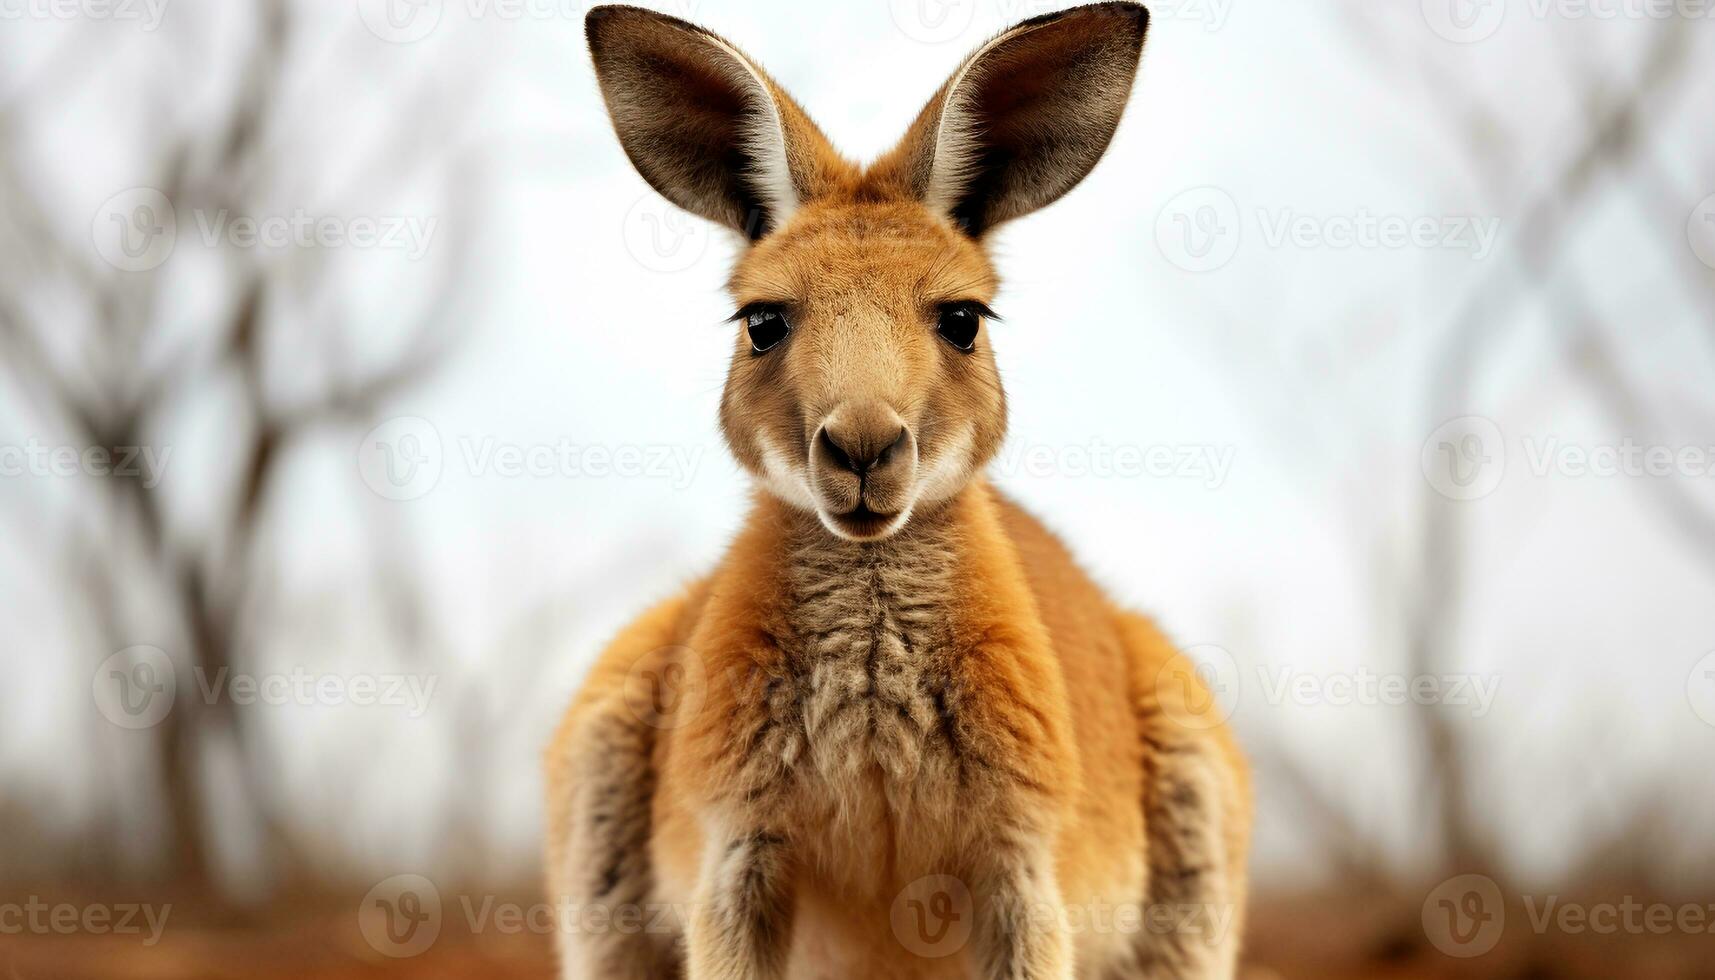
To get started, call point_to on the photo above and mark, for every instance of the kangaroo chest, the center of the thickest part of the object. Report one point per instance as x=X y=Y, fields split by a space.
x=871 y=642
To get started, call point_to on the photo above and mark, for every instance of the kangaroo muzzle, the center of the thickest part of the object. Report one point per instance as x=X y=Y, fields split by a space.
x=863 y=469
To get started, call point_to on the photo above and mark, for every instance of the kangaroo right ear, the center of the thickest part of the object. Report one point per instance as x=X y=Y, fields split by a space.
x=702 y=123
x=1026 y=117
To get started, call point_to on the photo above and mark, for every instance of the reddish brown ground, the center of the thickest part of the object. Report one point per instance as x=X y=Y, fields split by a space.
x=1310 y=937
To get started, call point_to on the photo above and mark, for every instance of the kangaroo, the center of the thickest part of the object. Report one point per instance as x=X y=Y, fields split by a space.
x=896 y=733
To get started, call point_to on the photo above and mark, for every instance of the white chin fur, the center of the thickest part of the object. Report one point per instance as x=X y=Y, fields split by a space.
x=943 y=479
x=782 y=479
x=892 y=528
x=950 y=471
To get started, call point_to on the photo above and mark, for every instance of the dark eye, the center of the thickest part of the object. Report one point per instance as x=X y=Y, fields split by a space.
x=767 y=327
x=959 y=324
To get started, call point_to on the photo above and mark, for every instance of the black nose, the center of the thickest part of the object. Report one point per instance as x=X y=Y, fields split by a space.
x=857 y=450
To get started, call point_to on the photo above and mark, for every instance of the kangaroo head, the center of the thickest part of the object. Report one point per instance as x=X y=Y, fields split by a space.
x=862 y=386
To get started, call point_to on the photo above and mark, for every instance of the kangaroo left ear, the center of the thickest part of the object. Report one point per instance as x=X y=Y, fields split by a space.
x=1026 y=117
x=703 y=124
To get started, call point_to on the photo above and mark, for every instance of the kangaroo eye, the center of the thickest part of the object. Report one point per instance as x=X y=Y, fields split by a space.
x=959 y=324
x=767 y=327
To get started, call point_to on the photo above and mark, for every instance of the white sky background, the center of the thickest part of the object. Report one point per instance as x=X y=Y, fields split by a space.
x=1309 y=365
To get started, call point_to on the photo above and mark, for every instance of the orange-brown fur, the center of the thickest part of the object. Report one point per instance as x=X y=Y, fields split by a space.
x=770 y=767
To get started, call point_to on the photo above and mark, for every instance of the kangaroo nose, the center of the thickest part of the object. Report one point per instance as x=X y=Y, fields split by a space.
x=862 y=439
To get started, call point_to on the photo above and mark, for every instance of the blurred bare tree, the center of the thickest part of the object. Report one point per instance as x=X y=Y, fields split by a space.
x=1427 y=593
x=104 y=364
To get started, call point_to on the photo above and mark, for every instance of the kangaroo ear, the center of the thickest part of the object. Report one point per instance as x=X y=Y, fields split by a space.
x=1026 y=117
x=702 y=123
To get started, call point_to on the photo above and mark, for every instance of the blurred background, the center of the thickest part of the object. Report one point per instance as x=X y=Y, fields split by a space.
x=353 y=390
